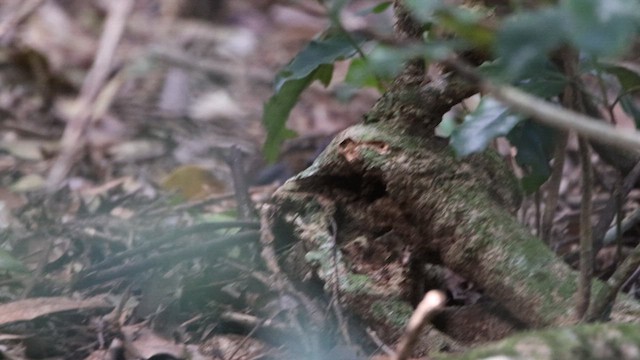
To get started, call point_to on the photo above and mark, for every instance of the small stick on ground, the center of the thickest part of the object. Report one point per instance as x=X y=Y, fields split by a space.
x=381 y=345
x=204 y=249
x=236 y=163
x=433 y=301
x=173 y=236
x=586 y=240
x=8 y=27
x=74 y=135
x=553 y=188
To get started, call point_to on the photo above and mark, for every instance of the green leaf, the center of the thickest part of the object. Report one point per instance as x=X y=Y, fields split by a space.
x=601 y=27
x=382 y=7
x=629 y=106
x=447 y=126
x=10 y=263
x=335 y=7
x=376 y=9
x=543 y=80
x=276 y=111
x=546 y=82
x=360 y=74
x=424 y=10
x=628 y=74
x=318 y=52
x=534 y=144
x=526 y=39
x=314 y=62
x=466 y=23
x=488 y=121
x=387 y=61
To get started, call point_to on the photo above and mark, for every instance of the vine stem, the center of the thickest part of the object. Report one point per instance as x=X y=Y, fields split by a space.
x=551 y=114
x=586 y=241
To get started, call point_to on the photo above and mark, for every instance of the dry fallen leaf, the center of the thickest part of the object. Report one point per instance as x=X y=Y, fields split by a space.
x=136 y=150
x=31 y=182
x=193 y=182
x=29 y=309
x=29 y=149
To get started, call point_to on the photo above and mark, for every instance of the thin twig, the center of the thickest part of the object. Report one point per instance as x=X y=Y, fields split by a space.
x=335 y=300
x=551 y=114
x=37 y=274
x=73 y=139
x=173 y=236
x=607 y=214
x=171 y=257
x=586 y=241
x=191 y=205
x=247 y=337
x=619 y=213
x=607 y=294
x=432 y=302
x=537 y=200
x=8 y=27
x=381 y=345
x=553 y=187
x=236 y=163
x=605 y=96
x=281 y=282
x=621 y=226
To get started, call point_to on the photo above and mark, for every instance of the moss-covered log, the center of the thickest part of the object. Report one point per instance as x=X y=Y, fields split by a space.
x=387 y=197
x=601 y=341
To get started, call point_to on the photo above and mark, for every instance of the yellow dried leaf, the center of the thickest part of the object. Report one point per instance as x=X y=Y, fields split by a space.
x=192 y=182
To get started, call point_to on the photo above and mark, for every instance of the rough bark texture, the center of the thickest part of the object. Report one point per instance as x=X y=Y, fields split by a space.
x=602 y=341
x=387 y=197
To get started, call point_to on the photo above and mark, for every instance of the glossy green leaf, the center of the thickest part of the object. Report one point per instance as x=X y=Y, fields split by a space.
x=534 y=144
x=628 y=74
x=491 y=119
x=360 y=74
x=546 y=82
x=631 y=108
x=387 y=61
x=276 y=111
x=314 y=62
x=376 y=9
x=526 y=39
x=315 y=54
x=543 y=79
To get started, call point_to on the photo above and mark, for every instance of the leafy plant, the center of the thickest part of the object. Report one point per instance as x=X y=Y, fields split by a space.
x=314 y=62
x=522 y=47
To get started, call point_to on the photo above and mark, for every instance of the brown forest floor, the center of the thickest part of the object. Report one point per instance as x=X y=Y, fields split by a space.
x=109 y=175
